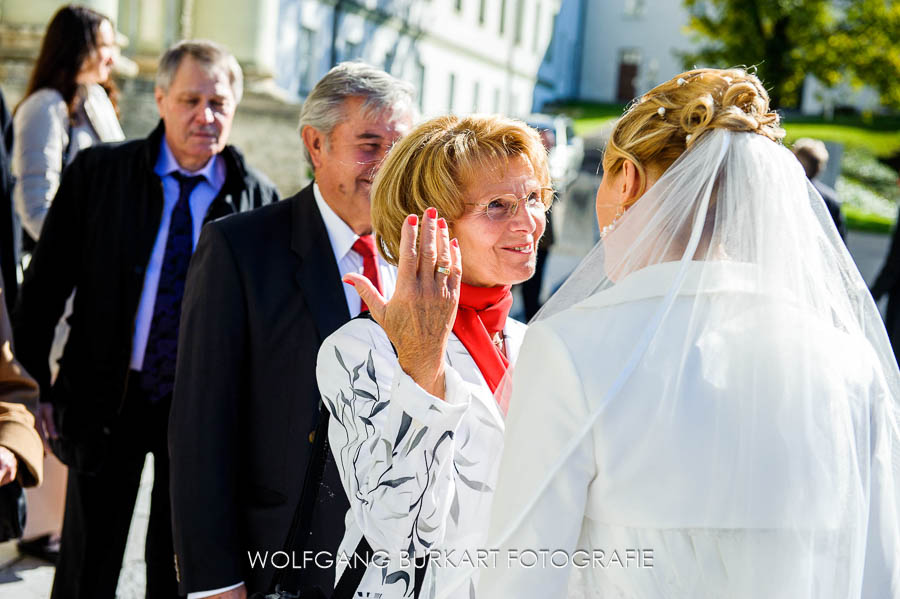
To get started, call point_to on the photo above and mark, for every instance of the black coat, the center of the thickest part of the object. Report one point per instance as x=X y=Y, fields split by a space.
x=888 y=281
x=98 y=237
x=263 y=292
x=9 y=255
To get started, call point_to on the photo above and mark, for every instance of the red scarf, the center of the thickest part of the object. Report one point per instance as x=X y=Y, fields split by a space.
x=482 y=313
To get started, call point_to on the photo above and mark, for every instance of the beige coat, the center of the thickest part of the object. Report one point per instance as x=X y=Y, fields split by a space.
x=18 y=396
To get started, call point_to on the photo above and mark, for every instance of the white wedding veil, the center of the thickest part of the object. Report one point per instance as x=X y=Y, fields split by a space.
x=739 y=397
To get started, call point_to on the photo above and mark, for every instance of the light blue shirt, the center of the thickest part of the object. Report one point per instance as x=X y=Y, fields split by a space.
x=201 y=198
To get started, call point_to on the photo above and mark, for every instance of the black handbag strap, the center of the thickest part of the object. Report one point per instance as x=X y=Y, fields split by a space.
x=356 y=568
x=303 y=514
x=67 y=151
x=353 y=574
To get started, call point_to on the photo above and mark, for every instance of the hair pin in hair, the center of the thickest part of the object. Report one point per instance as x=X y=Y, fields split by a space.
x=687 y=138
x=727 y=79
x=681 y=81
x=661 y=111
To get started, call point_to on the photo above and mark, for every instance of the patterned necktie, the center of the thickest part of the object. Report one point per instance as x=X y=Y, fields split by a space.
x=365 y=247
x=158 y=371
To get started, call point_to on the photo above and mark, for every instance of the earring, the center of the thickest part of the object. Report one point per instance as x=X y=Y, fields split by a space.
x=615 y=221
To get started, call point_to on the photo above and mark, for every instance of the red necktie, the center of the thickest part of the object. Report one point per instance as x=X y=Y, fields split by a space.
x=365 y=247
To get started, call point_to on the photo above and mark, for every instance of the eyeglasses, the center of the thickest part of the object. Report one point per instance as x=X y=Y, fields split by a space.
x=505 y=207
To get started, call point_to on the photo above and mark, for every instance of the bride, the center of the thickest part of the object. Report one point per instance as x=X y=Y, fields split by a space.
x=708 y=408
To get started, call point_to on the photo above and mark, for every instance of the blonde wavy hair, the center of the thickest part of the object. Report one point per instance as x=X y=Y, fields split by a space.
x=660 y=125
x=437 y=161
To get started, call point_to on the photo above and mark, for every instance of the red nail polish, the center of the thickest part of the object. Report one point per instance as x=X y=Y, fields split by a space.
x=454 y=242
x=442 y=224
x=351 y=283
x=413 y=220
x=431 y=213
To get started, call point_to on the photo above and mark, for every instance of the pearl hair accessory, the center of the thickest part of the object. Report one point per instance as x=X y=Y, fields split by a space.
x=687 y=138
x=661 y=111
x=681 y=81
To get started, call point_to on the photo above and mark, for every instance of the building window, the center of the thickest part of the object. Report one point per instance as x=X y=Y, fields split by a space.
x=476 y=92
x=502 y=16
x=629 y=65
x=520 y=16
x=635 y=8
x=389 y=58
x=548 y=55
x=420 y=81
x=352 y=50
x=535 y=35
x=451 y=90
x=482 y=5
x=306 y=54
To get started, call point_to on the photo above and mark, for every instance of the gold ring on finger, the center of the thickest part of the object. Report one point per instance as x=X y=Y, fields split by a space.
x=442 y=269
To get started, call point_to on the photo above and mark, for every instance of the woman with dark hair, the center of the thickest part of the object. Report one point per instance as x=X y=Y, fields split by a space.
x=69 y=104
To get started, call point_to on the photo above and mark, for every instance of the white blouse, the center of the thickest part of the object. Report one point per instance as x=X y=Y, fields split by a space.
x=417 y=470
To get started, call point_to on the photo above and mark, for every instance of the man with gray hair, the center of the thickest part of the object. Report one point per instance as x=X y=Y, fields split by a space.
x=264 y=290
x=813 y=156
x=121 y=231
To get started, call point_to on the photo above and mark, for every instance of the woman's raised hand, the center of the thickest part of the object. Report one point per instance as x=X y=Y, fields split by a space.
x=420 y=315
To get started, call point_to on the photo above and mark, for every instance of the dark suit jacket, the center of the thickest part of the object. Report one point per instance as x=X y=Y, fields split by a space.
x=263 y=292
x=834 y=206
x=98 y=237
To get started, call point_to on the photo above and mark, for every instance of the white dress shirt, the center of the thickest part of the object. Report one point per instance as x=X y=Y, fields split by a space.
x=342 y=239
x=201 y=198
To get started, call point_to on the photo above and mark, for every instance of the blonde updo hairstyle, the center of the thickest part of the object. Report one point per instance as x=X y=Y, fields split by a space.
x=659 y=126
x=433 y=165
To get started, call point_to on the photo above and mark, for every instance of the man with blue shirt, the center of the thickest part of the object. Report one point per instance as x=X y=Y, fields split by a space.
x=121 y=232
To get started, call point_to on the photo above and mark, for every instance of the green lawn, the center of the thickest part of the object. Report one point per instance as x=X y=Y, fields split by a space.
x=882 y=143
x=858 y=220
x=880 y=135
x=587 y=116
x=875 y=136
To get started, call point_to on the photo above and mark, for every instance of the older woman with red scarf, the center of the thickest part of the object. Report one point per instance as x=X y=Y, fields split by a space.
x=415 y=429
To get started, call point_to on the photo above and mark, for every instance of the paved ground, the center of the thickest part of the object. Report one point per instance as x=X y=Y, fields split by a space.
x=27 y=578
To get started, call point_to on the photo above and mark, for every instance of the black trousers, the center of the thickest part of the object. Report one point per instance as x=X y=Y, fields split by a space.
x=99 y=508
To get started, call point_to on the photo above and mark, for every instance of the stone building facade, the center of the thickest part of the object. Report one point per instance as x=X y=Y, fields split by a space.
x=461 y=55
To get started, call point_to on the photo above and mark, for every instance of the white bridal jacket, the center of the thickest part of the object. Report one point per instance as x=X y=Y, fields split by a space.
x=418 y=470
x=697 y=474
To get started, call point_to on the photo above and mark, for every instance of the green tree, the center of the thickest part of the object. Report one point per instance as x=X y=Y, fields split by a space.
x=776 y=36
x=865 y=44
x=833 y=40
